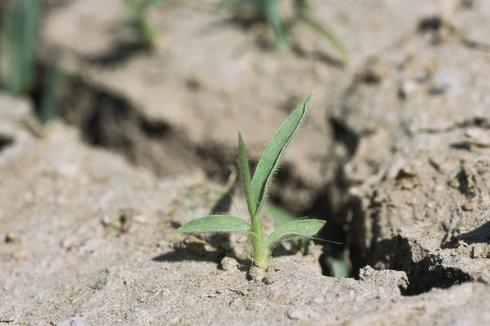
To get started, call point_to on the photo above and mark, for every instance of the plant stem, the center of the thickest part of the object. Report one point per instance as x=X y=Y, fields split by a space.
x=260 y=248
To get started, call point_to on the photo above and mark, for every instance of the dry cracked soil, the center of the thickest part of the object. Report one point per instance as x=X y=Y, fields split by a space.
x=395 y=154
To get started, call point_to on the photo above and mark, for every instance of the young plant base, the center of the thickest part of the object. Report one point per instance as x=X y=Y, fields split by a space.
x=255 y=188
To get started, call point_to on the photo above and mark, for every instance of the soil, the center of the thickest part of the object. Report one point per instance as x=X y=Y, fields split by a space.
x=395 y=152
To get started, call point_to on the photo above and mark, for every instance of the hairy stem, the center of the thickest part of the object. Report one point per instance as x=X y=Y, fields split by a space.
x=259 y=243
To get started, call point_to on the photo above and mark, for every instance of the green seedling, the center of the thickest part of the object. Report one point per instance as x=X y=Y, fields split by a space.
x=255 y=189
x=281 y=27
x=137 y=21
x=19 y=38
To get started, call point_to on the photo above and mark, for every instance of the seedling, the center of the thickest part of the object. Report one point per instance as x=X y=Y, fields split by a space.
x=136 y=20
x=19 y=38
x=281 y=27
x=255 y=189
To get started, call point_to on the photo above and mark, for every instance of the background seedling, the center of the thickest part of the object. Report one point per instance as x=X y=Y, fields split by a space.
x=19 y=39
x=281 y=27
x=280 y=217
x=20 y=75
x=137 y=21
x=255 y=188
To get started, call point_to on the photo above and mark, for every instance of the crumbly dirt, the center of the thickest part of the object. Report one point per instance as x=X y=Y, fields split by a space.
x=68 y=255
x=419 y=172
x=396 y=150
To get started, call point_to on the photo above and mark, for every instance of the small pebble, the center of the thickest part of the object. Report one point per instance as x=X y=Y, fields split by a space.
x=477 y=251
x=407 y=89
x=256 y=274
x=229 y=264
x=302 y=313
x=12 y=237
x=72 y=321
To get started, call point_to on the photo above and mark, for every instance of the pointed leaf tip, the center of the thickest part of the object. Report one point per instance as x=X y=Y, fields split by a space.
x=299 y=228
x=270 y=159
x=244 y=168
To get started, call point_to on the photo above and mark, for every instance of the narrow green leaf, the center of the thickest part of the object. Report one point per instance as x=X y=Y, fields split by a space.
x=323 y=31
x=279 y=216
x=272 y=14
x=245 y=174
x=216 y=223
x=273 y=152
x=298 y=228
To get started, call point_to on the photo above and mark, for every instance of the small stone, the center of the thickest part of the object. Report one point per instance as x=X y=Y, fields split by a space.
x=72 y=321
x=256 y=274
x=68 y=243
x=163 y=244
x=442 y=82
x=477 y=251
x=229 y=264
x=12 y=237
x=477 y=137
x=302 y=313
x=407 y=89
x=469 y=206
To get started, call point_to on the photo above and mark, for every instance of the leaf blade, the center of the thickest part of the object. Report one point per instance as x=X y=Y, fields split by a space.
x=273 y=152
x=216 y=224
x=299 y=228
x=245 y=175
x=325 y=33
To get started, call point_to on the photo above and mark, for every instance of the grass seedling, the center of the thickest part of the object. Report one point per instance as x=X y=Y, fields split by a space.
x=281 y=27
x=255 y=189
x=137 y=21
x=19 y=38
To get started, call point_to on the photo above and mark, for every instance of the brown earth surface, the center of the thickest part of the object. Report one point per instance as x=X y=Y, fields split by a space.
x=395 y=150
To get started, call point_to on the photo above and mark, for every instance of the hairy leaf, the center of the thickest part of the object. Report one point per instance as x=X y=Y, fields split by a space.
x=297 y=228
x=273 y=152
x=216 y=223
x=245 y=175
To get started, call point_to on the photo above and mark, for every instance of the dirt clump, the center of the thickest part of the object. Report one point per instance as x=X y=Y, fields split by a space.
x=417 y=173
x=98 y=245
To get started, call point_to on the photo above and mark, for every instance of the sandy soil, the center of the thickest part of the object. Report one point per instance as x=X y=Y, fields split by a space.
x=395 y=152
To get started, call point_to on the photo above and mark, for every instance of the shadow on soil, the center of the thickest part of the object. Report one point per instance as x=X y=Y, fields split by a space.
x=478 y=235
x=121 y=52
x=183 y=254
x=5 y=141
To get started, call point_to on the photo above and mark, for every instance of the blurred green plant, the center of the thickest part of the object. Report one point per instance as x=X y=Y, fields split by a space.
x=20 y=20
x=19 y=37
x=256 y=189
x=280 y=217
x=335 y=266
x=136 y=19
x=48 y=108
x=269 y=11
